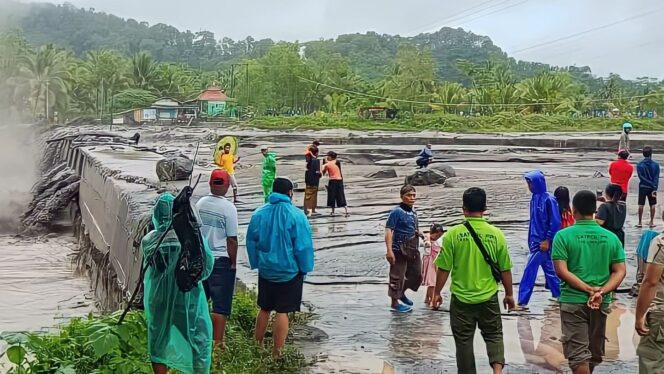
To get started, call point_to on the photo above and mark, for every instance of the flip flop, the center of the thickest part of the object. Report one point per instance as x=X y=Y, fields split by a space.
x=638 y=226
x=652 y=226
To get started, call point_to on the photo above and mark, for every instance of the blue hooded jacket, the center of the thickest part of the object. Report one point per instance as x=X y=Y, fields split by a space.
x=648 y=171
x=544 y=215
x=279 y=242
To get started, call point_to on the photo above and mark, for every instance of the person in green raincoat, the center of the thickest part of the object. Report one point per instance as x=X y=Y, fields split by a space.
x=269 y=172
x=179 y=324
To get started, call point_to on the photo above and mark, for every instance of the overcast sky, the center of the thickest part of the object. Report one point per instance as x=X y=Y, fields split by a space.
x=621 y=36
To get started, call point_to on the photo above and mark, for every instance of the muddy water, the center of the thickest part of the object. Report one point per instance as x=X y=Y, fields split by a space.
x=348 y=287
x=38 y=286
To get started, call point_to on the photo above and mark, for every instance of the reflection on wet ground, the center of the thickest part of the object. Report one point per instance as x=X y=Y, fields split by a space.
x=38 y=285
x=348 y=287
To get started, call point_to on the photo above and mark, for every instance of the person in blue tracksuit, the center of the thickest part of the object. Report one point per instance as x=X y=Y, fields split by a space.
x=544 y=223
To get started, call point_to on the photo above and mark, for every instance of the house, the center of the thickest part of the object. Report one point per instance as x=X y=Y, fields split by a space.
x=164 y=110
x=213 y=102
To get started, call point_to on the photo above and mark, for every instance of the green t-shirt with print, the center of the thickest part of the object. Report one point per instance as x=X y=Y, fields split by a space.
x=472 y=281
x=589 y=251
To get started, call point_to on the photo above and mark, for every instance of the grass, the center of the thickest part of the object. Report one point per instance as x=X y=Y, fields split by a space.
x=95 y=344
x=501 y=122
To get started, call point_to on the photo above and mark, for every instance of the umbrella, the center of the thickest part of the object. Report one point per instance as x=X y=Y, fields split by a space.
x=232 y=140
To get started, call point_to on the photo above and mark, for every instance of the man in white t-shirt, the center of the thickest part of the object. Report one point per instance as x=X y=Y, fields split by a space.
x=219 y=228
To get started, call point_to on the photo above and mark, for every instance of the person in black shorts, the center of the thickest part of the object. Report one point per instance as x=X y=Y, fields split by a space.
x=648 y=171
x=280 y=246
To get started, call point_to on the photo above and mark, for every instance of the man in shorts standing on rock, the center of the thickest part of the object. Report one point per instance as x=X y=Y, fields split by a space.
x=219 y=228
x=280 y=246
x=590 y=262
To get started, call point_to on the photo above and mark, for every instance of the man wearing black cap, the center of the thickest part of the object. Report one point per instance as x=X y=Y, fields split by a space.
x=280 y=246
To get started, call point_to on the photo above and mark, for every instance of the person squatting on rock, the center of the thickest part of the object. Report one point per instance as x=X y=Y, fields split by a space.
x=179 y=325
x=402 y=235
x=590 y=261
x=425 y=157
x=544 y=223
x=476 y=256
x=648 y=172
x=280 y=246
x=219 y=228
x=268 y=171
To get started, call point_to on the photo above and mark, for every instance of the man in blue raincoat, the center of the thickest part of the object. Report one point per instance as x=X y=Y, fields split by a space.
x=280 y=246
x=179 y=325
x=544 y=223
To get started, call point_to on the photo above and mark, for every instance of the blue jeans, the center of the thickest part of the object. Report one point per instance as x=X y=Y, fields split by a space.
x=220 y=286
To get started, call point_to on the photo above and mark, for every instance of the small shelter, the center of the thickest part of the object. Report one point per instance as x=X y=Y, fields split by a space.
x=165 y=109
x=213 y=102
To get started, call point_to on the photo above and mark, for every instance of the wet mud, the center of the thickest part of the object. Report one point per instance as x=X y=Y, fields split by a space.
x=348 y=289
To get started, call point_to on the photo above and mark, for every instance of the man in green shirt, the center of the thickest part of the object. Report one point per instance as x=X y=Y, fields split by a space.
x=474 y=301
x=269 y=172
x=590 y=262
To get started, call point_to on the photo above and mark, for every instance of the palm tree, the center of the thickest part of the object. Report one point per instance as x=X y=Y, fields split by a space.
x=143 y=71
x=42 y=78
x=544 y=91
x=451 y=95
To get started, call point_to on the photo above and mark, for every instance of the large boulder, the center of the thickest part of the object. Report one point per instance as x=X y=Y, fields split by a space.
x=425 y=177
x=383 y=174
x=174 y=168
x=446 y=169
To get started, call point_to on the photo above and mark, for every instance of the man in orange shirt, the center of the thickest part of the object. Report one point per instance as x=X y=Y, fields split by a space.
x=620 y=172
x=227 y=161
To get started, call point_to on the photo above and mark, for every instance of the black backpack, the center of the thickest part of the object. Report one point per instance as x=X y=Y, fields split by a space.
x=191 y=263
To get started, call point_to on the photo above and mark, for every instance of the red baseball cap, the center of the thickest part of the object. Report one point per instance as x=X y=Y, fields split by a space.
x=220 y=177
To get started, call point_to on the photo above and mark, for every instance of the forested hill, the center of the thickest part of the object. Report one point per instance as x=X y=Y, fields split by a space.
x=370 y=54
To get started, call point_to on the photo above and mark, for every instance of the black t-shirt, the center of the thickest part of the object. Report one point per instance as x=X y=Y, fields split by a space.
x=613 y=215
x=312 y=176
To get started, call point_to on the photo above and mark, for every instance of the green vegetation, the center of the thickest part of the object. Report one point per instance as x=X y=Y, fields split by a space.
x=97 y=345
x=92 y=71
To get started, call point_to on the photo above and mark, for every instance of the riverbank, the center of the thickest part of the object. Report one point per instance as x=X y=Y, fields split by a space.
x=506 y=122
x=96 y=342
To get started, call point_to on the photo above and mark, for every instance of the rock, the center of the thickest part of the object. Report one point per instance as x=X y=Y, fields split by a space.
x=425 y=177
x=444 y=168
x=174 y=168
x=451 y=182
x=383 y=174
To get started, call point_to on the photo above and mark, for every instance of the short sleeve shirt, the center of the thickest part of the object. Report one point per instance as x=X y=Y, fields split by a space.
x=589 y=250
x=226 y=163
x=613 y=215
x=333 y=170
x=656 y=257
x=403 y=225
x=472 y=280
x=218 y=222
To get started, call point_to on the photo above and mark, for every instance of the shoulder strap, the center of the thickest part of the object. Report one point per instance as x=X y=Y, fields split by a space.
x=478 y=242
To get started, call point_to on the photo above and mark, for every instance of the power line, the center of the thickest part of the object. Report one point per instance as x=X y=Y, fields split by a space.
x=597 y=28
x=466 y=104
x=495 y=11
x=441 y=22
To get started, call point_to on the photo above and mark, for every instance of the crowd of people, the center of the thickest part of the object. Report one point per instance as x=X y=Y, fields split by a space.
x=578 y=244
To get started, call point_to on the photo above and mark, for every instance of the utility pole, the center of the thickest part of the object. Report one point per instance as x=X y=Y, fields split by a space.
x=232 y=79
x=103 y=101
x=47 y=102
x=248 y=90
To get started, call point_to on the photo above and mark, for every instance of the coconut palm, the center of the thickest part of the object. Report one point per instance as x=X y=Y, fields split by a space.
x=143 y=71
x=41 y=78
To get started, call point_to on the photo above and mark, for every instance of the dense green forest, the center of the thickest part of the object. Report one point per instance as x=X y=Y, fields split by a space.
x=85 y=62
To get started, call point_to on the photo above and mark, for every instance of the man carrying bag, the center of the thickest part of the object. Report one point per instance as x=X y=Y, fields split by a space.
x=475 y=254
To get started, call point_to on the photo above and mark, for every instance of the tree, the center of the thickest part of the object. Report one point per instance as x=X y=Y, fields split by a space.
x=143 y=71
x=42 y=78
